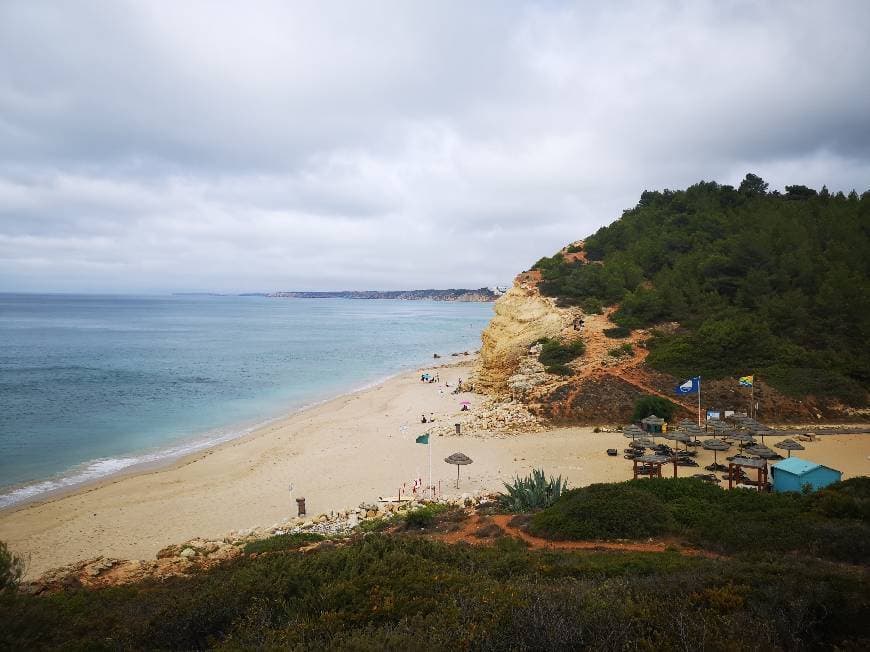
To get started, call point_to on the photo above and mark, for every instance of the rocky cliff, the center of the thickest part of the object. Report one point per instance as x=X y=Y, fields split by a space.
x=606 y=381
x=522 y=317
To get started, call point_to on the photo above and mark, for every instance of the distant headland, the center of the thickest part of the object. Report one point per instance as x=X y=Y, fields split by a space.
x=453 y=294
x=461 y=294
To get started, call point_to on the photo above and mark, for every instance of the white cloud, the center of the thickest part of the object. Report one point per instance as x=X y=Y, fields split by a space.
x=267 y=145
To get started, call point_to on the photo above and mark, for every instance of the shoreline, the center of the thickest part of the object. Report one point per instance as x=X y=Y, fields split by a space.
x=200 y=444
x=86 y=492
x=353 y=448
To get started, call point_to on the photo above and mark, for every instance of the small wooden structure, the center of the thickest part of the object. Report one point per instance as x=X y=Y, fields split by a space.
x=654 y=461
x=738 y=463
x=653 y=424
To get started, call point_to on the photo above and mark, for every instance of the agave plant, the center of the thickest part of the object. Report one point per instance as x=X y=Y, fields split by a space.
x=532 y=492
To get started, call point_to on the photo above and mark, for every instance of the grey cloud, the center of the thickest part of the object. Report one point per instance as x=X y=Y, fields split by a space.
x=203 y=145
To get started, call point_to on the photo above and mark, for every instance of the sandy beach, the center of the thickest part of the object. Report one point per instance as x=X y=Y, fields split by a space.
x=351 y=449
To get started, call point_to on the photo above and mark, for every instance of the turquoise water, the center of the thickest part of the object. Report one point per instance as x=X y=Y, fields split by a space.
x=90 y=385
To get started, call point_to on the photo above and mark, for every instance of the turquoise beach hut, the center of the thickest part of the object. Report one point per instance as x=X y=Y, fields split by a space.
x=792 y=473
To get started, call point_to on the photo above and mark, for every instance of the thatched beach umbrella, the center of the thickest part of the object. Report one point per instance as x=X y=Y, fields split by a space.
x=676 y=436
x=715 y=445
x=762 y=451
x=742 y=438
x=789 y=445
x=632 y=431
x=692 y=430
x=763 y=430
x=459 y=459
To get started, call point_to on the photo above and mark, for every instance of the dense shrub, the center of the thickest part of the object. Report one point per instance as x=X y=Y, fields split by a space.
x=555 y=355
x=603 y=511
x=11 y=568
x=423 y=517
x=617 y=332
x=648 y=405
x=834 y=524
x=622 y=351
x=283 y=542
x=390 y=593
x=403 y=592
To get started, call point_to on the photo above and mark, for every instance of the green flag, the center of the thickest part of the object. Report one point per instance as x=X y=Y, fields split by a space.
x=423 y=439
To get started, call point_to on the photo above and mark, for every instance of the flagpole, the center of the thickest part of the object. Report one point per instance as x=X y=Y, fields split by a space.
x=431 y=488
x=752 y=397
x=699 y=401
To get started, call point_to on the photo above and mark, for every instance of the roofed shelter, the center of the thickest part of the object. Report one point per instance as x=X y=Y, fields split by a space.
x=653 y=424
x=737 y=464
x=792 y=473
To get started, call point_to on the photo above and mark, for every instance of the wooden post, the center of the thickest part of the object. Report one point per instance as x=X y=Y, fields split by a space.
x=730 y=475
x=634 y=462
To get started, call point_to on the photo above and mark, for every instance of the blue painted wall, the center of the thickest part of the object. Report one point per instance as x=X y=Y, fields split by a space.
x=819 y=477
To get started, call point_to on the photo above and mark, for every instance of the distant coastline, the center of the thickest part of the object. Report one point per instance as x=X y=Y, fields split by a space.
x=460 y=294
x=482 y=295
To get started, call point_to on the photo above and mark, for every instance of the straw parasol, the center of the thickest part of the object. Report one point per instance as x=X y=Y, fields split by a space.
x=762 y=451
x=632 y=431
x=742 y=438
x=789 y=445
x=764 y=430
x=715 y=445
x=459 y=459
x=677 y=436
x=692 y=430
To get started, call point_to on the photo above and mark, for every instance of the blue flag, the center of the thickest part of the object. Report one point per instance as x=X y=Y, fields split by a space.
x=689 y=387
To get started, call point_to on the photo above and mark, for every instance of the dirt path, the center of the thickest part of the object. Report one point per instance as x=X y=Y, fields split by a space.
x=470 y=533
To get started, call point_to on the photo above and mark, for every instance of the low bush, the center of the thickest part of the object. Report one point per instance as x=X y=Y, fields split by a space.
x=283 y=542
x=617 y=332
x=423 y=517
x=649 y=405
x=604 y=511
x=11 y=568
x=555 y=355
x=832 y=524
x=624 y=350
x=385 y=592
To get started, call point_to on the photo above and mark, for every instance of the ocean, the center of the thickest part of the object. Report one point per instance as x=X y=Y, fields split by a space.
x=92 y=385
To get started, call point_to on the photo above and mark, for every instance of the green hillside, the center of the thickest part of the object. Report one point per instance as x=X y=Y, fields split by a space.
x=760 y=282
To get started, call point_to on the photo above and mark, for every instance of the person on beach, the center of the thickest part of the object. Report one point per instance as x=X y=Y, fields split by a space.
x=423 y=420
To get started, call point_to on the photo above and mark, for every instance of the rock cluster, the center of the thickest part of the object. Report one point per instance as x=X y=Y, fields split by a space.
x=198 y=554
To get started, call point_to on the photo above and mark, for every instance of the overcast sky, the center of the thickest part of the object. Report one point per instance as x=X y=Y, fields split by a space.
x=255 y=146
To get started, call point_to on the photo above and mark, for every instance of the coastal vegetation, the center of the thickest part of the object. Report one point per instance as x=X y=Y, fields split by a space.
x=775 y=283
x=832 y=524
x=392 y=592
x=777 y=572
x=11 y=568
x=535 y=491
x=648 y=405
x=555 y=355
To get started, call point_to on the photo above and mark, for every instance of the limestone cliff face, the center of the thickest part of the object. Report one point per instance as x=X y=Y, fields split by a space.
x=522 y=316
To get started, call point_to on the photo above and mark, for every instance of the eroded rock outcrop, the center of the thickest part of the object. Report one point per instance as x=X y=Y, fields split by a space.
x=522 y=317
